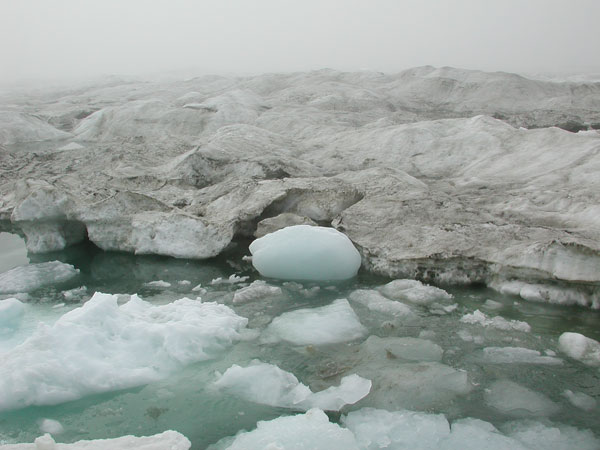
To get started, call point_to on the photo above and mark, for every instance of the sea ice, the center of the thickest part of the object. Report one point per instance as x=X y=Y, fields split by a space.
x=512 y=399
x=258 y=289
x=169 y=439
x=304 y=252
x=374 y=301
x=102 y=346
x=330 y=324
x=34 y=276
x=414 y=291
x=311 y=430
x=580 y=400
x=513 y=355
x=11 y=313
x=498 y=322
x=580 y=347
x=269 y=385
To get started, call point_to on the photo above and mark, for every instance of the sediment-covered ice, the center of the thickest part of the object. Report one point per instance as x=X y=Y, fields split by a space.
x=102 y=346
x=269 y=385
x=498 y=322
x=11 y=313
x=304 y=252
x=169 y=439
x=512 y=399
x=34 y=276
x=258 y=289
x=580 y=347
x=311 y=430
x=374 y=301
x=414 y=291
x=516 y=355
x=328 y=324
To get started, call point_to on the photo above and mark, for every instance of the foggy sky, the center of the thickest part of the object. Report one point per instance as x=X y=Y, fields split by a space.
x=41 y=39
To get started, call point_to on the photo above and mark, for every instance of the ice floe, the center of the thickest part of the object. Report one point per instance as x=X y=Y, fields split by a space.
x=498 y=322
x=374 y=301
x=304 y=252
x=328 y=324
x=11 y=314
x=233 y=279
x=268 y=384
x=414 y=291
x=158 y=284
x=580 y=400
x=515 y=355
x=103 y=346
x=403 y=348
x=512 y=399
x=258 y=289
x=580 y=347
x=34 y=276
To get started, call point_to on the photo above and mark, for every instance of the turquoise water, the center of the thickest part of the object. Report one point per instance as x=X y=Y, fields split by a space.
x=186 y=401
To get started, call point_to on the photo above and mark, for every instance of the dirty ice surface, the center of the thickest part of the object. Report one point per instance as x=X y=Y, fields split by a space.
x=255 y=362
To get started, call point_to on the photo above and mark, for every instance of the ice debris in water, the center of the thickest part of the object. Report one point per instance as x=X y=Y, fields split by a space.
x=413 y=291
x=102 y=346
x=311 y=430
x=76 y=294
x=11 y=313
x=51 y=426
x=304 y=252
x=158 y=284
x=169 y=439
x=330 y=324
x=512 y=399
x=498 y=322
x=374 y=301
x=258 y=289
x=269 y=385
x=403 y=348
x=512 y=355
x=580 y=347
x=580 y=400
x=34 y=276
x=233 y=279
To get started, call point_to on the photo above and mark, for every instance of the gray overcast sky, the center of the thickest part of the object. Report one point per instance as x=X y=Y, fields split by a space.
x=42 y=39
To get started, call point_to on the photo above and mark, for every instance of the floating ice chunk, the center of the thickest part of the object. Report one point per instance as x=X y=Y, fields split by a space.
x=257 y=290
x=311 y=430
x=184 y=282
x=413 y=291
x=51 y=426
x=515 y=400
x=547 y=436
x=500 y=323
x=233 y=279
x=169 y=439
x=466 y=336
x=75 y=295
x=158 y=284
x=374 y=301
x=581 y=348
x=330 y=324
x=407 y=348
x=11 y=313
x=198 y=288
x=580 y=400
x=102 y=346
x=269 y=385
x=34 y=276
x=512 y=355
x=475 y=434
x=304 y=252
x=491 y=304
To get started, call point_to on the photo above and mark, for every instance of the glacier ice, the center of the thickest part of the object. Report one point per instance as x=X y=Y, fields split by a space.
x=34 y=276
x=268 y=384
x=304 y=252
x=103 y=346
x=512 y=399
x=11 y=313
x=580 y=347
x=414 y=291
x=330 y=324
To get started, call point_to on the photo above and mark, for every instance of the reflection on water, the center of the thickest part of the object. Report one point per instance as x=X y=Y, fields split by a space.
x=12 y=251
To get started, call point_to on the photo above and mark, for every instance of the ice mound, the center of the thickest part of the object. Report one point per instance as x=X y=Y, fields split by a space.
x=102 y=346
x=11 y=313
x=513 y=355
x=580 y=347
x=304 y=252
x=580 y=400
x=374 y=301
x=330 y=324
x=269 y=385
x=414 y=291
x=34 y=276
x=515 y=400
x=403 y=348
x=311 y=430
x=500 y=323
x=169 y=439
x=258 y=289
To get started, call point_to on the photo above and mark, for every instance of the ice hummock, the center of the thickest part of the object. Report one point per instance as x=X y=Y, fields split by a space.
x=34 y=276
x=330 y=324
x=269 y=385
x=102 y=347
x=304 y=252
